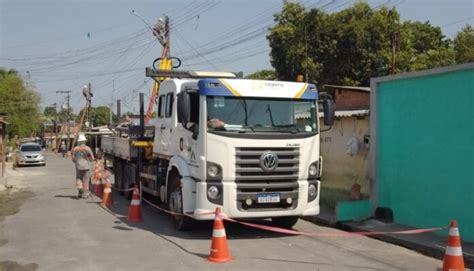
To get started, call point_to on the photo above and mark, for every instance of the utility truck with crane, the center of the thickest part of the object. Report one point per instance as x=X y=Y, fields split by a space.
x=250 y=147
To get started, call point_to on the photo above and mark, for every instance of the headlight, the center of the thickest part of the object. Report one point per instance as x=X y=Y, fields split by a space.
x=213 y=171
x=313 y=170
x=213 y=192
x=312 y=190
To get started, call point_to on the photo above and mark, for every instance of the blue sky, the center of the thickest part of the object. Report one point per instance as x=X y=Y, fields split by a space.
x=48 y=42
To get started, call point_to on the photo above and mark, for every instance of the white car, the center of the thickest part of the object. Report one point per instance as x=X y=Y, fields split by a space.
x=30 y=154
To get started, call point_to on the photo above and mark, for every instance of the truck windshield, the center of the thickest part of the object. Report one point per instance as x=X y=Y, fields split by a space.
x=256 y=115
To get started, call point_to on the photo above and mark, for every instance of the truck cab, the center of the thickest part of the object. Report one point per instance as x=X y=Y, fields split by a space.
x=250 y=147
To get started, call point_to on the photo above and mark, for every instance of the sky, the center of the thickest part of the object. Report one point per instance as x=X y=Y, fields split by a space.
x=60 y=45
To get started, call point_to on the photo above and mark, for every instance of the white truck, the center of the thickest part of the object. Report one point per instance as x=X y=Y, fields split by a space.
x=250 y=147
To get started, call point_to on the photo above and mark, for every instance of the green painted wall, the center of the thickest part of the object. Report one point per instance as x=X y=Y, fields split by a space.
x=425 y=139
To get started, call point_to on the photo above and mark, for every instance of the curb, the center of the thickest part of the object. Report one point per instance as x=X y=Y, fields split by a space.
x=431 y=251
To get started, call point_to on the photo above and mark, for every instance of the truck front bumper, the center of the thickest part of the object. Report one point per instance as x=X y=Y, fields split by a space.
x=233 y=203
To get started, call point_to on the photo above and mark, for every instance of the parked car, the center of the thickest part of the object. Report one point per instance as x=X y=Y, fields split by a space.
x=30 y=154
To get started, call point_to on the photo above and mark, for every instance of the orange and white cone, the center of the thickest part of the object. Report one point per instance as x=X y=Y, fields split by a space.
x=99 y=188
x=107 y=195
x=453 y=259
x=96 y=171
x=135 y=209
x=219 y=248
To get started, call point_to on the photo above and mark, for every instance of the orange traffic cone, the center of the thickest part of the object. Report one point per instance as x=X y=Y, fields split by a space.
x=453 y=259
x=219 y=249
x=135 y=209
x=107 y=195
x=99 y=188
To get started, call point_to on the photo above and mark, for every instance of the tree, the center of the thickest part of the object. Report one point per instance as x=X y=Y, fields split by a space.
x=99 y=115
x=352 y=45
x=263 y=75
x=62 y=115
x=20 y=103
x=464 y=45
x=50 y=111
x=287 y=42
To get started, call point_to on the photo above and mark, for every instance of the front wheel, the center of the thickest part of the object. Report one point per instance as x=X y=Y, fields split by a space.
x=286 y=222
x=175 y=204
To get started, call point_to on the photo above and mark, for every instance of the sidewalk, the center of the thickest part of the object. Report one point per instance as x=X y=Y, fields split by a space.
x=429 y=244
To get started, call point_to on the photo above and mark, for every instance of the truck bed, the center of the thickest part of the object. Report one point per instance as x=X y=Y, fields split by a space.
x=119 y=147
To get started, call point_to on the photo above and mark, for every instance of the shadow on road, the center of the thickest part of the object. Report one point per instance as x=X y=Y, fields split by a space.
x=66 y=196
x=351 y=267
x=163 y=224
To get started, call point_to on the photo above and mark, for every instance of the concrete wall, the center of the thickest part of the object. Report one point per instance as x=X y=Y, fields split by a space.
x=422 y=129
x=340 y=169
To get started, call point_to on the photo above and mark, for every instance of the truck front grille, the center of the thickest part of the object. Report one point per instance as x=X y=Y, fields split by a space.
x=252 y=180
x=248 y=169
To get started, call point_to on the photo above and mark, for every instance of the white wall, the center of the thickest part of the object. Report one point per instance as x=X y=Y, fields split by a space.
x=340 y=169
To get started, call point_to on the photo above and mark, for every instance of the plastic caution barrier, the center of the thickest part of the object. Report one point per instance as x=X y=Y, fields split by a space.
x=453 y=259
x=219 y=249
x=135 y=209
x=107 y=195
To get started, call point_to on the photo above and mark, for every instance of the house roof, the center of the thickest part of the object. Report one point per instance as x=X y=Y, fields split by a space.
x=362 y=89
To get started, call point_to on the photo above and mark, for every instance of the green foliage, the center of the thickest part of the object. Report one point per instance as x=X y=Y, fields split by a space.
x=263 y=75
x=50 y=111
x=20 y=103
x=100 y=115
x=355 y=44
x=62 y=115
x=464 y=45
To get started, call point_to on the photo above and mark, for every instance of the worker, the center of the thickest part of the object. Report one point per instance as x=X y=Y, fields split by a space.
x=82 y=156
x=215 y=123
x=62 y=148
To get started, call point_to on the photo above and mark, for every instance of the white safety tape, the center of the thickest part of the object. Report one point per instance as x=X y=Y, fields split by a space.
x=454 y=251
x=453 y=232
x=218 y=233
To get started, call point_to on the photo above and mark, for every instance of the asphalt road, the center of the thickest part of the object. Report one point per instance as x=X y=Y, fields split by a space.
x=58 y=232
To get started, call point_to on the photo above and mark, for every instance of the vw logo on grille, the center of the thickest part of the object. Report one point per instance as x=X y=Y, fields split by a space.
x=268 y=161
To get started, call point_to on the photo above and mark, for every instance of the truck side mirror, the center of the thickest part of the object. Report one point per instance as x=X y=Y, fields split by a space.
x=329 y=111
x=184 y=108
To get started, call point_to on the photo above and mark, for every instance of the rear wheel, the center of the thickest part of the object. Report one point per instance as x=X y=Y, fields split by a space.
x=175 y=204
x=286 y=222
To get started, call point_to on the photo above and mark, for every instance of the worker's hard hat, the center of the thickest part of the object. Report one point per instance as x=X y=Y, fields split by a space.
x=81 y=138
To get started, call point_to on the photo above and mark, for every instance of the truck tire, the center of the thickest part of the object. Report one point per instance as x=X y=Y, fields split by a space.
x=175 y=204
x=286 y=222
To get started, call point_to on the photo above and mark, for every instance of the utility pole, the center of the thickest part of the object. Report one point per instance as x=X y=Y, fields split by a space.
x=89 y=107
x=55 y=124
x=393 y=41
x=112 y=103
x=142 y=133
x=68 y=115
x=119 y=109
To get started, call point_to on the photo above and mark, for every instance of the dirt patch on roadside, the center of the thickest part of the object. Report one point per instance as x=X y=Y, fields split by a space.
x=10 y=201
x=14 y=266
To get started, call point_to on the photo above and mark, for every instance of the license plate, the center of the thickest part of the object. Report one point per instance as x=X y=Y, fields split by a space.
x=268 y=198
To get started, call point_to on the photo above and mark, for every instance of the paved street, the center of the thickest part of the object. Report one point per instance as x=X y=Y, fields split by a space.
x=58 y=232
